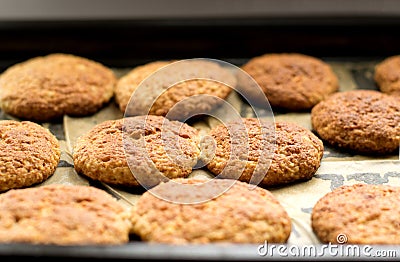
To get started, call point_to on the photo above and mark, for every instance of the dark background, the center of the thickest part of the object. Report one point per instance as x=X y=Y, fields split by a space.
x=125 y=43
x=122 y=33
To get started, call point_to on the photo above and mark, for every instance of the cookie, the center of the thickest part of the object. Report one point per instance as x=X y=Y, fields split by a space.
x=279 y=156
x=361 y=121
x=46 y=88
x=169 y=95
x=358 y=214
x=387 y=75
x=291 y=81
x=62 y=215
x=29 y=154
x=148 y=145
x=239 y=215
x=128 y=83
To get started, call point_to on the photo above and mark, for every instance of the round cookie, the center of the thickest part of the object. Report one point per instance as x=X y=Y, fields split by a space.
x=239 y=215
x=29 y=154
x=363 y=121
x=46 y=88
x=291 y=81
x=62 y=215
x=295 y=152
x=128 y=83
x=358 y=214
x=111 y=150
x=387 y=75
x=180 y=101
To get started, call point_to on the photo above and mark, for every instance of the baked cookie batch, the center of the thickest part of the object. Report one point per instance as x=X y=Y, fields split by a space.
x=157 y=151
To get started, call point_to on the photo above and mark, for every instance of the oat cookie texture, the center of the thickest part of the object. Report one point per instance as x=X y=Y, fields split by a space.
x=29 y=154
x=281 y=155
x=48 y=87
x=387 y=75
x=364 y=214
x=151 y=144
x=239 y=215
x=62 y=215
x=291 y=81
x=176 y=100
x=363 y=121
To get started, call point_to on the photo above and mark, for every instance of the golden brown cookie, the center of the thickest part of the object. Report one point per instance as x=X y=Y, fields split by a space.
x=291 y=81
x=185 y=98
x=46 y=88
x=387 y=75
x=62 y=215
x=128 y=83
x=358 y=214
x=29 y=154
x=239 y=215
x=363 y=121
x=295 y=152
x=147 y=145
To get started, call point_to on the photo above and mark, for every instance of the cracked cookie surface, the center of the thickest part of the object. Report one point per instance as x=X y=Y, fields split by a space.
x=154 y=147
x=62 y=215
x=239 y=215
x=291 y=81
x=387 y=75
x=272 y=155
x=362 y=213
x=46 y=88
x=29 y=154
x=169 y=96
x=363 y=121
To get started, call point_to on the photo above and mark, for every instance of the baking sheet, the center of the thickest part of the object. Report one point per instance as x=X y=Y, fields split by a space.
x=337 y=167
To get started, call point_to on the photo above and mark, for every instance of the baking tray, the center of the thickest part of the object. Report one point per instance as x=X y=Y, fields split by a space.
x=352 y=45
x=338 y=167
